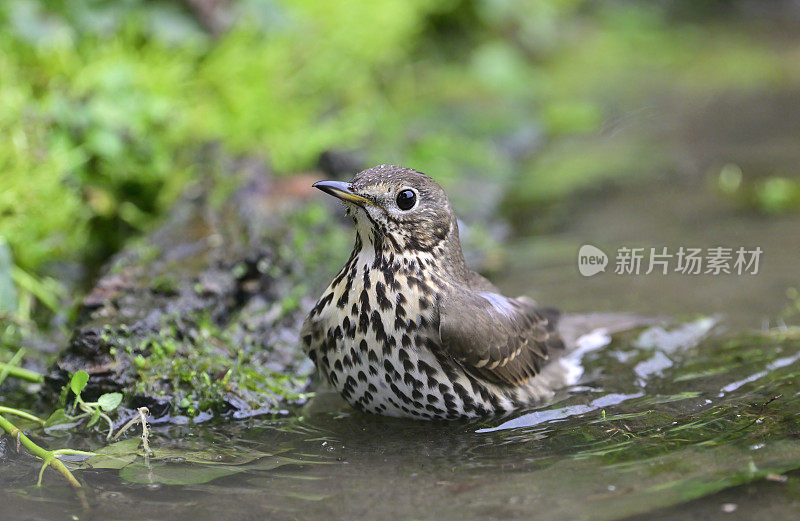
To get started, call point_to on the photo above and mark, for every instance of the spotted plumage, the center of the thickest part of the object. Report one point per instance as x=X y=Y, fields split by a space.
x=405 y=329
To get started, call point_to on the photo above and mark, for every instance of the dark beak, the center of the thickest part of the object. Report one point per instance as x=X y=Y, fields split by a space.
x=341 y=190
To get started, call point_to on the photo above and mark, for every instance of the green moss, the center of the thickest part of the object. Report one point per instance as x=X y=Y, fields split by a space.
x=203 y=370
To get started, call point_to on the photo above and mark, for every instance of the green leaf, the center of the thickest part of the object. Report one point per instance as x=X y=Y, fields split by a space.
x=114 y=456
x=79 y=381
x=212 y=455
x=95 y=417
x=186 y=473
x=181 y=465
x=45 y=289
x=109 y=461
x=120 y=448
x=171 y=474
x=110 y=401
x=59 y=420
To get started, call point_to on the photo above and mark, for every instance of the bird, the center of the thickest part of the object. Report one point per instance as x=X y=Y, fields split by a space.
x=406 y=329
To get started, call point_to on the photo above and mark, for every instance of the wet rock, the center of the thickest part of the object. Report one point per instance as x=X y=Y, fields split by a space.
x=203 y=314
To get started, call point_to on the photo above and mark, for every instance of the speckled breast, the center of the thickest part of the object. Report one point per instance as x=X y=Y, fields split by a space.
x=375 y=338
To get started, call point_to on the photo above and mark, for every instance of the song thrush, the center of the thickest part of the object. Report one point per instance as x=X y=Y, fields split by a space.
x=406 y=329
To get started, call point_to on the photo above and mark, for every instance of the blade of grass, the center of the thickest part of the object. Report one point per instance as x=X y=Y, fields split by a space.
x=22 y=374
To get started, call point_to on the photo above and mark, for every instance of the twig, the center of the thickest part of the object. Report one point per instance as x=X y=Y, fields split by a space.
x=143 y=412
x=142 y=418
x=128 y=424
x=760 y=411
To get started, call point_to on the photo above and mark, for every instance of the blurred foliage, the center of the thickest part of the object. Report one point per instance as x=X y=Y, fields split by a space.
x=105 y=104
x=8 y=293
x=771 y=194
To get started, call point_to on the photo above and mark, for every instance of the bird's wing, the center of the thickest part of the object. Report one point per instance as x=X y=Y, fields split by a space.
x=499 y=339
x=477 y=282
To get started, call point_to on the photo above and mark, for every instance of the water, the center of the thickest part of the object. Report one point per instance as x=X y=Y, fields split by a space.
x=668 y=420
x=660 y=215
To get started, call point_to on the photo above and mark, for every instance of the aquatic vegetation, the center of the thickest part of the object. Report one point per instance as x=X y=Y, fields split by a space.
x=57 y=420
x=176 y=463
x=49 y=457
x=93 y=410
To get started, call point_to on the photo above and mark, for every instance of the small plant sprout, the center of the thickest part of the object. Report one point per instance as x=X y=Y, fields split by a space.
x=94 y=410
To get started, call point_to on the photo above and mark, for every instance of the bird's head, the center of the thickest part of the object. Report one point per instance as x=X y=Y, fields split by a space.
x=398 y=208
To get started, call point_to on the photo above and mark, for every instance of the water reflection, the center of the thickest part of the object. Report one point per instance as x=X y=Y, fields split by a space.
x=777 y=364
x=561 y=414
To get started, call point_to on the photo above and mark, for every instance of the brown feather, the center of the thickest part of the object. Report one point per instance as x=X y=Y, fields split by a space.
x=498 y=339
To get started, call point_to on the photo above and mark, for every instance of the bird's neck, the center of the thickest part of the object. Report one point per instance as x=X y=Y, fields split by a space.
x=379 y=251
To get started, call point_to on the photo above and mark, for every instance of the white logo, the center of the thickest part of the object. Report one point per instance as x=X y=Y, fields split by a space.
x=591 y=260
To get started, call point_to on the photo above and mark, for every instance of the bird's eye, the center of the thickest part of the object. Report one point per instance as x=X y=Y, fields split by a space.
x=406 y=199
